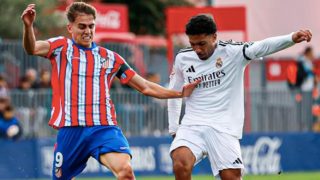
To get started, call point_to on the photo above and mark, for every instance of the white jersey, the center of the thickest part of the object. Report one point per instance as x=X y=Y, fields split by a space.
x=218 y=101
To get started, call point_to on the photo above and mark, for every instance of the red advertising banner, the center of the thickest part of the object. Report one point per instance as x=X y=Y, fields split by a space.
x=276 y=70
x=111 y=17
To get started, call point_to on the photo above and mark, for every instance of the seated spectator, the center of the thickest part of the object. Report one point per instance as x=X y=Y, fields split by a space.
x=3 y=88
x=45 y=80
x=31 y=75
x=9 y=124
x=24 y=84
x=3 y=104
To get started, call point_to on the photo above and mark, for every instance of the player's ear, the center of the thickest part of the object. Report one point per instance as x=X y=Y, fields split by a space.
x=69 y=28
x=214 y=36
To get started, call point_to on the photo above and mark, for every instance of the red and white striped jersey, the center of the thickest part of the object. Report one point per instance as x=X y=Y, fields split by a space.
x=81 y=81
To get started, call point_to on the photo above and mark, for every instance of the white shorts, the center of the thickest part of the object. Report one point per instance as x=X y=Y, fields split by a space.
x=223 y=150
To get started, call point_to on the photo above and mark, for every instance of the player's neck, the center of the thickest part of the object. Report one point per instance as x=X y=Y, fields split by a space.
x=213 y=49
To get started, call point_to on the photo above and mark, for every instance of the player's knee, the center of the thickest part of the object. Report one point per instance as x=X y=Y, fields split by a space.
x=234 y=174
x=125 y=172
x=182 y=166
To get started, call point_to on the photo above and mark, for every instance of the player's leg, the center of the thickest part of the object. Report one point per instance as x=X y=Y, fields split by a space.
x=187 y=149
x=230 y=174
x=224 y=154
x=183 y=162
x=111 y=148
x=70 y=153
x=119 y=164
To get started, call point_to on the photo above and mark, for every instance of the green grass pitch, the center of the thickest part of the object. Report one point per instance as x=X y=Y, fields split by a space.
x=282 y=176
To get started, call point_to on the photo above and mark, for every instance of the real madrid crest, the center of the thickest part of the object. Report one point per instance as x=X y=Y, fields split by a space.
x=219 y=62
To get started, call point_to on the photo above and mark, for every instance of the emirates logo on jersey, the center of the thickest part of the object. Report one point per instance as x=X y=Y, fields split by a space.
x=104 y=63
x=219 y=63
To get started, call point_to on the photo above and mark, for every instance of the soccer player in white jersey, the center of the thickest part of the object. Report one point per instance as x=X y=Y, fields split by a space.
x=214 y=115
x=82 y=73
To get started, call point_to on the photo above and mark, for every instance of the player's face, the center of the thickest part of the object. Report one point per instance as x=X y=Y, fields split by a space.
x=82 y=29
x=203 y=44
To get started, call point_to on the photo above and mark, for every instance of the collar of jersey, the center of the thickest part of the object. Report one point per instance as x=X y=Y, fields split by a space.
x=93 y=45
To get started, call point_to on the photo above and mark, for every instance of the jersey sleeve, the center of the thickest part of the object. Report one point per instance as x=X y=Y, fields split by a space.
x=267 y=46
x=125 y=72
x=174 y=105
x=55 y=43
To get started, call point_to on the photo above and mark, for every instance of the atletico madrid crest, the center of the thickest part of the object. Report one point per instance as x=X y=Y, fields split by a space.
x=104 y=63
x=58 y=172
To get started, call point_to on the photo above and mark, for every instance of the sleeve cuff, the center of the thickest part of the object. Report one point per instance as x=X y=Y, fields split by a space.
x=50 y=50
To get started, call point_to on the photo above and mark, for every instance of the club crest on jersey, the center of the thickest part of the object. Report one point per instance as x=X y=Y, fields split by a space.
x=219 y=63
x=104 y=62
x=58 y=172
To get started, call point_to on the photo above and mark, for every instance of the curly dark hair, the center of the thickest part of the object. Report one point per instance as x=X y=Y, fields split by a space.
x=79 y=7
x=201 y=24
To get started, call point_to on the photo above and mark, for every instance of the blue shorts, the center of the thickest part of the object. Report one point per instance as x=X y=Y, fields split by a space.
x=76 y=144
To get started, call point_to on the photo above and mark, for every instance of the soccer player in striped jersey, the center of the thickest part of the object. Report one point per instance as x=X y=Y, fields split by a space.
x=82 y=110
x=213 y=120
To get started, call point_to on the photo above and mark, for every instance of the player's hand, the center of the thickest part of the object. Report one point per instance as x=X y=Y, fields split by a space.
x=12 y=131
x=302 y=35
x=29 y=15
x=188 y=89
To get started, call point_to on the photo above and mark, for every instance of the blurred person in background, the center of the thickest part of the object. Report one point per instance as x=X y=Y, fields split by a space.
x=82 y=110
x=308 y=89
x=309 y=80
x=31 y=74
x=45 y=80
x=10 y=127
x=4 y=102
x=24 y=84
x=3 y=87
x=214 y=116
x=302 y=83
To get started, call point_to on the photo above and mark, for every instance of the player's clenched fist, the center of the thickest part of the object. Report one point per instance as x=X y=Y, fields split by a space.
x=302 y=35
x=29 y=14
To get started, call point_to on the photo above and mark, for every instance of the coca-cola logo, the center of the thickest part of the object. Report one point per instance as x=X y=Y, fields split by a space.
x=110 y=20
x=263 y=156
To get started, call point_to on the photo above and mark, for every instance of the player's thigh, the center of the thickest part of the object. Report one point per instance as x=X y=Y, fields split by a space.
x=188 y=145
x=115 y=161
x=224 y=151
x=70 y=153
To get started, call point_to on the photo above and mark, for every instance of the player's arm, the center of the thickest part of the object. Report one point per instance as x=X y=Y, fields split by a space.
x=31 y=46
x=149 y=88
x=174 y=105
x=274 y=44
